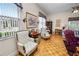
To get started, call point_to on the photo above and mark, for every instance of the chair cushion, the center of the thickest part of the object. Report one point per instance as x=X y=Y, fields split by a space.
x=29 y=46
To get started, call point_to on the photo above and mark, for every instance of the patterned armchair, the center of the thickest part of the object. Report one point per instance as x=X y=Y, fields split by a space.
x=71 y=41
x=26 y=45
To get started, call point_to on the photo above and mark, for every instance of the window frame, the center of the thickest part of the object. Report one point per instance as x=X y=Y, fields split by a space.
x=3 y=38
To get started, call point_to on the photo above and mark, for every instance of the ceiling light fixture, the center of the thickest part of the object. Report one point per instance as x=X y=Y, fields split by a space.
x=75 y=9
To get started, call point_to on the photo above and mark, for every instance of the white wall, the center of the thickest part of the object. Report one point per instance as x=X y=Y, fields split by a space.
x=8 y=46
x=63 y=16
x=31 y=8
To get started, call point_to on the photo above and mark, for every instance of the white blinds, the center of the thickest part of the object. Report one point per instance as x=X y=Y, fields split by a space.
x=9 y=19
x=9 y=9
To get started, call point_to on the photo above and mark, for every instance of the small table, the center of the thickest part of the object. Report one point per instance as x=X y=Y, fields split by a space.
x=58 y=31
x=35 y=35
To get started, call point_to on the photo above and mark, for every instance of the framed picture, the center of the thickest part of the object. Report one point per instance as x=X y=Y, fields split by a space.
x=58 y=22
x=31 y=20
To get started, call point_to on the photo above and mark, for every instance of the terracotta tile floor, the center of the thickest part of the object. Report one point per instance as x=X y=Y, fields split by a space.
x=51 y=47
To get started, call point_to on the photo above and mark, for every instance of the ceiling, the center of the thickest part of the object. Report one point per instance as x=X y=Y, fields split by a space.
x=52 y=8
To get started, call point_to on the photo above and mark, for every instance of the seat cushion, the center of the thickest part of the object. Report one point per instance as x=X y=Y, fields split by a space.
x=29 y=46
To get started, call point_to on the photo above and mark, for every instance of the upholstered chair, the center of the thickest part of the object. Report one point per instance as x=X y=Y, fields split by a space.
x=26 y=45
x=71 y=41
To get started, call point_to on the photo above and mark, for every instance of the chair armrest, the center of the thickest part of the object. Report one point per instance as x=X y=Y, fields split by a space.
x=78 y=43
x=77 y=38
x=20 y=44
x=31 y=39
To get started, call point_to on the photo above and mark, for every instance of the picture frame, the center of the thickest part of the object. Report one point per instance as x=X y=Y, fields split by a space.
x=31 y=20
x=58 y=22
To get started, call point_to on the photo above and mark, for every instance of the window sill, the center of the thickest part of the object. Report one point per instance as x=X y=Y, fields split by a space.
x=6 y=38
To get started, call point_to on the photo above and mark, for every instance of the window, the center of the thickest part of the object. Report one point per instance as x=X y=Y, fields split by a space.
x=9 y=19
x=42 y=23
x=74 y=25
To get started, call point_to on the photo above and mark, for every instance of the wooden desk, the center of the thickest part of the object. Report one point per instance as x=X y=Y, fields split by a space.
x=58 y=31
